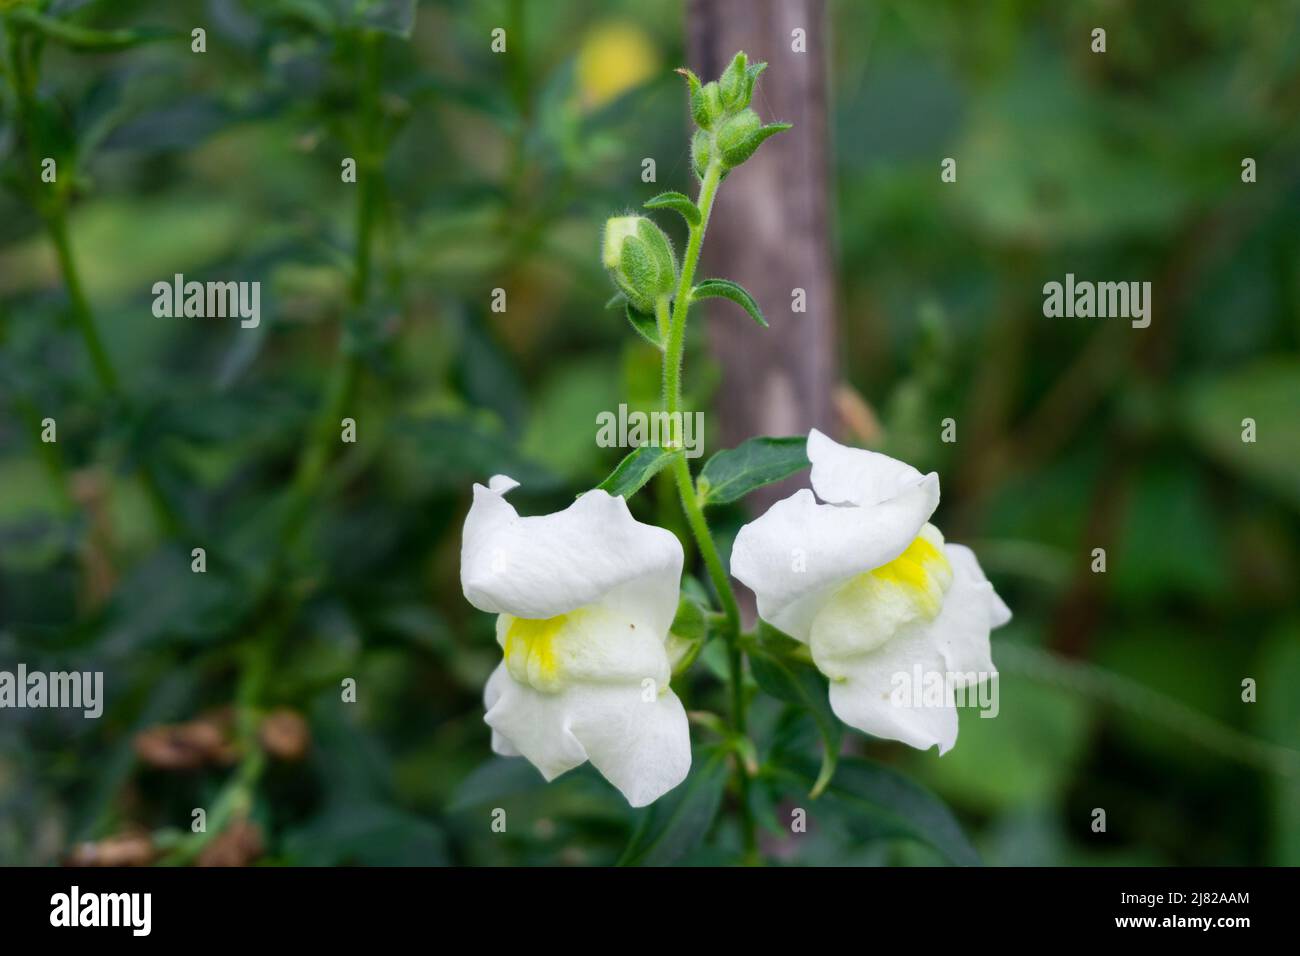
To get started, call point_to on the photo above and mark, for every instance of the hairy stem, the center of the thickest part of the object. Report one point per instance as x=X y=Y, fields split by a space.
x=672 y=369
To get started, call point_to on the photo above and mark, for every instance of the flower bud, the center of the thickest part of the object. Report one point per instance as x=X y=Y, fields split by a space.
x=701 y=152
x=706 y=106
x=733 y=134
x=640 y=260
x=617 y=229
x=740 y=135
x=734 y=86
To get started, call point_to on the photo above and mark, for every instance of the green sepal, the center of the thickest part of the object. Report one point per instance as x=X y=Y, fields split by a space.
x=734 y=83
x=645 y=325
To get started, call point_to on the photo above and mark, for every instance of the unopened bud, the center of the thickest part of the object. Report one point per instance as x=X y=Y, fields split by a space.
x=706 y=106
x=640 y=260
x=701 y=152
x=729 y=131
x=740 y=135
x=734 y=84
x=733 y=134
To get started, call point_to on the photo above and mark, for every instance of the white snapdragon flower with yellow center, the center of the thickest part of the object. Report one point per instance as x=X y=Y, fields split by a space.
x=871 y=587
x=585 y=598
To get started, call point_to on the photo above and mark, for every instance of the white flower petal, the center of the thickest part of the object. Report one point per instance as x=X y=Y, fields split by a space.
x=536 y=725
x=597 y=644
x=844 y=475
x=963 y=557
x=799 y=550
x=642 y=748
x=500 y=484
x=970 y=610
x=866 y=698
x=594 y=550
x=491 y=694
x=953 y=648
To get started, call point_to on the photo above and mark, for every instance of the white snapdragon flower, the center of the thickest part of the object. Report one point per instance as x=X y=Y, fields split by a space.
x=870 y=586
x=585 y=598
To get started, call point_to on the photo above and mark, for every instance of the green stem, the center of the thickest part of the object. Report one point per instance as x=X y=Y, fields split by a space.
x=24 y=68
x=672 y=377
x=310 y=471
x=58 y=227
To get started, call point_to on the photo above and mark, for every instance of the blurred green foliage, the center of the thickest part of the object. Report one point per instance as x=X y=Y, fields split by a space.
x=483 y=171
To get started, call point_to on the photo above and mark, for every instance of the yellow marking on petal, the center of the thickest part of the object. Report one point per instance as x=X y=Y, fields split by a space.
x=870 y=608
x=922 y=570
x=530 y=651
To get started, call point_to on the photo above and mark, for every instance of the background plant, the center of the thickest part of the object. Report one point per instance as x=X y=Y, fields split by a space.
x=496 y=172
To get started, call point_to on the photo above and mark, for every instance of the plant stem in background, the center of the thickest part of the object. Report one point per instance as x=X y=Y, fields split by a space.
x=686 y=490
x=347 y=366
x=24 y=67
x=236 y=795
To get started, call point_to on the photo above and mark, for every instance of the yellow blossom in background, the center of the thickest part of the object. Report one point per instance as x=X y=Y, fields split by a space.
x=615 y=57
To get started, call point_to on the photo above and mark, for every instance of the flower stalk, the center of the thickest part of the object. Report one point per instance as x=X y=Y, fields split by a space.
x=687 y=493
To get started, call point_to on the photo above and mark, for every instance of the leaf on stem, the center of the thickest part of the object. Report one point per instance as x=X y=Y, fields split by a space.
x=645 y=324
x=781 y=674
x=734 y=472
x=677 y=822
x=679 y=203
x=726 y=289
x=875 y=802
x=636 y=469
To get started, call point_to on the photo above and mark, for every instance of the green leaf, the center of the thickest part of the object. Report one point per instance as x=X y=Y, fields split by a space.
x=733 y=473
x=795 y=682
x=1278 y=718
x=493 y=780
x=689 y=623
x=677 y=822
x=678 y=203
x=645 y=325
x=726 y=289
x=687 y=635
x=875 y=802
x=636 y=469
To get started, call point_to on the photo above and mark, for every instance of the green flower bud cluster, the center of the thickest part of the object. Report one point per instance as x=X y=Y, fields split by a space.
x=640 y=260
x=729 y=131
